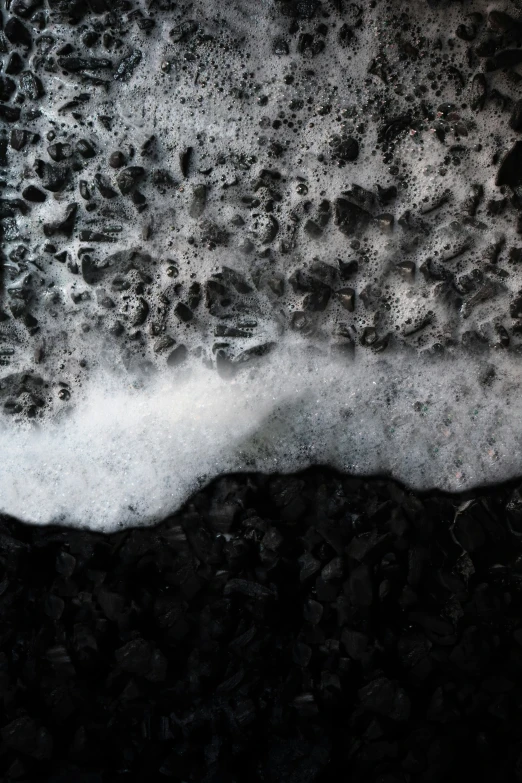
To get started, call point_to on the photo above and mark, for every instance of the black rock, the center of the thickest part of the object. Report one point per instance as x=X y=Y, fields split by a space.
x=478 y=92
x=30 y=85
x=25 y=8
x=313 y=229
x=117 y=160
x=183 y=31
x=312 y=611
x=199 y=201
x=54 y=606
x=92 y=272
x=502 y=22
x=302 y=654
x=7 y=88
x=346 y=35
x=17 y=33
x=406 y=269
x=248 y=589
x=59 y=151
x=350 y=218
x=510 y=171
x=466 y=32
x=383 y=697
x=78 y=64
x=53 y=177
x=87 y=235
x=360 y=585
x=183 y=312
x=32 y=193
x=345 y=148
x=128 y=65
x=385 y=222
x=515 y=121
x=317 y=300
x=280 y=47
x=177 y=356
x=85 y=148
x=9 y=113
x=509 y=58
x=24 y=736
x=184 y=160
x=355 y=643
x=103 y=186
x=270 y=231
x=468 y=532
x=15 y=64
x=135 y=657
x=128 y=179
x=64 y=226
x=387 y=195
x=346 y=297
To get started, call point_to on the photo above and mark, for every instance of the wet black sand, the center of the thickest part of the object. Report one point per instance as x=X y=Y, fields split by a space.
x=304 y=628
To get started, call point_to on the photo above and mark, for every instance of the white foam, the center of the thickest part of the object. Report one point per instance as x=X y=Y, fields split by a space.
x=133 y=436
x=132 y=455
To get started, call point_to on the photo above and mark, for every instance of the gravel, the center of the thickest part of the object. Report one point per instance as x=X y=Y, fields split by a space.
x=299 y=627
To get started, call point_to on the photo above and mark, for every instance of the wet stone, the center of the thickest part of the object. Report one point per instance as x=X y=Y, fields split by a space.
x=226 y=625
x=280 y=47
x=346 y=297
x=59 y=151
x=117 y=160
x=313 y=229
x=77 y=64
x=103 y=186
x=15 y=64
x=345 y=148
x=199 y=201
x=127 y=66
x=515 y=120
x=184 y=160
x=406 y=269
x=350 y=218
x=177 y=356
x=7 y=88
x=32 y=193
x=64 y=226
x=17 y=32
x=30 y=85
x=53 y=178
x=509 y=58
x=85 y=148
x=9 y=113
x=510 y=171
x=183 y=312
x=129 y=178
x=183 y=31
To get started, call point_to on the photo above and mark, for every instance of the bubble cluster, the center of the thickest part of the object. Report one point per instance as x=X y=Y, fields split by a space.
x=320 y=196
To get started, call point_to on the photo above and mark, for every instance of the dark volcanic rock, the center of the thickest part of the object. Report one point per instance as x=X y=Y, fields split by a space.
x=75 y=64
x=129 y=178
x=30 y=85
x=17 y=33
x=9 y=113
x=510 y=171
x=350 y=218
x=330 y=602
